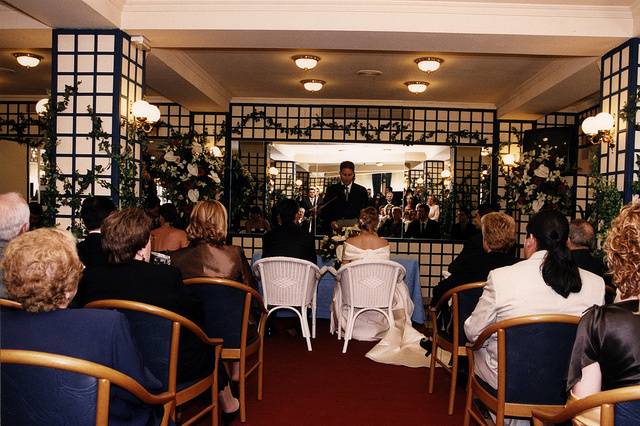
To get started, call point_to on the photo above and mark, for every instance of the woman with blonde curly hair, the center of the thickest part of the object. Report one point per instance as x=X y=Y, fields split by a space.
x=42 y=270
x=606 y=352
x=400 y=344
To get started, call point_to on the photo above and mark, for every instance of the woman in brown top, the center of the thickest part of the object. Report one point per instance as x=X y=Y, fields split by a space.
x=208 y=255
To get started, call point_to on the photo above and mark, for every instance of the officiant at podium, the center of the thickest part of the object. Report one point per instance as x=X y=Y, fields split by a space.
x=344 y=200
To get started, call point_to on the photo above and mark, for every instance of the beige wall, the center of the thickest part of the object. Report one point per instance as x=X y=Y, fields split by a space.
x=13 y=167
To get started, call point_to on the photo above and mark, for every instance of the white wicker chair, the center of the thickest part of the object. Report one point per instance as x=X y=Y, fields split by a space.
x=366 y=285
x=290 y=283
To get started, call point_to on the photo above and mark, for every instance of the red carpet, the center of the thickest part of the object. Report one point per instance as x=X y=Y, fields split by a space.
x=326 y=387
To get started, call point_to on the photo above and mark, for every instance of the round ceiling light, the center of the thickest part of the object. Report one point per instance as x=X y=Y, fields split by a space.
x=313 y=85
x=28 y=60
x=416 y=86
x=306 y=62
x=429 y=63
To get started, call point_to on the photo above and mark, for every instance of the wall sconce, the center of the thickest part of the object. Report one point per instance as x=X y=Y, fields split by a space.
x=445 y=174
x=298 y=183
x=599 y=128
x=420 y=181
x=42 y=106
x=145 y=114
x=273 y=171
x=508 y=160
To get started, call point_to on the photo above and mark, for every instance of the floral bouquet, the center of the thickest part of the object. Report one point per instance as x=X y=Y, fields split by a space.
x=537 y=182
x=331 y=247
x=188 y=171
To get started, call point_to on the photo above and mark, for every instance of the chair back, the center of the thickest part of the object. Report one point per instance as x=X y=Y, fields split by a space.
x=6 y=303
x=369 y=283
x=287 y=280
x=227 y=305
x=42 y=388
x=534 y=357
x=467 y=299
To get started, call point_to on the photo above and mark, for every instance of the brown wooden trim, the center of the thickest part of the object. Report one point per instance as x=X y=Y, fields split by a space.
x=10 y=304
x=457 y=289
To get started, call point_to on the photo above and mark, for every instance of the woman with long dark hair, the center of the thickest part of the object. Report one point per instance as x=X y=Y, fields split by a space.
x=547 y=282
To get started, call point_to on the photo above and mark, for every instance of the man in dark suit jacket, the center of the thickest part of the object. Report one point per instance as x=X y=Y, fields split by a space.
x=420 y=226
x=344 y=200
x=93 y=212
x=581 y=240
x=129 y=276
x=289 y=239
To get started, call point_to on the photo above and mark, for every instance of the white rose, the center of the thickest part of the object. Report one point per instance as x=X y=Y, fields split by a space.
x=193 y=195
x=170 y=157
x=542 y=171
x=192 y=169
x=214 y=176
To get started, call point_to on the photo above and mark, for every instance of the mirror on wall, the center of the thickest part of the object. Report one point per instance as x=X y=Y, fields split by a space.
x=420 y=191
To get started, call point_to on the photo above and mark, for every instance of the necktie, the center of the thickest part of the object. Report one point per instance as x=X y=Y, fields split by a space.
x=346 y=192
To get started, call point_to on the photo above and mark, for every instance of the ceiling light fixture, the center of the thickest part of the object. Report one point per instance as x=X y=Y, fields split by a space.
x=28 y=60
x=416 y=86
x=313 y=85
x=379 y=164
x=306 y=62
x=429 y=63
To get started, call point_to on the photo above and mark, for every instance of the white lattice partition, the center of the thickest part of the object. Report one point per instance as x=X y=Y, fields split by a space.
x=109 y=73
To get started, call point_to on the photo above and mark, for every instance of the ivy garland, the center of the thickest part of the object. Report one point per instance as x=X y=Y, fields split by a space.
x=367 y=130
x=629 y=110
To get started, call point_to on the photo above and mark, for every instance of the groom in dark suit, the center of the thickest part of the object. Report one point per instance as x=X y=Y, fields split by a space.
x=343 y=201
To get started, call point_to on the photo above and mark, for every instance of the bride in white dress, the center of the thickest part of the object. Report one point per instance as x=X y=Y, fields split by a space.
x=400 y=344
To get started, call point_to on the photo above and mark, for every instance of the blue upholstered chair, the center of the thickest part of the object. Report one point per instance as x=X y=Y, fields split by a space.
x=157 y=333
x=228 y=307
x=620 y=407
x=463 y=299
x=42 y=388
x=533 y=358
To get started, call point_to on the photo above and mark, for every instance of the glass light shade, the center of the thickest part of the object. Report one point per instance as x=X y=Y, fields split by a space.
x=604 y=121
x=140 y=109
x=429 y=64
x=446 y=173
x=419 y=181
x=379 y=164
x=298 y=182
x=509 y=159
x=485 y=152
x=42 y=106
x=273 y=171
x=313 y=85
x=416 y=86
x=153 y=113
x=590 y=126
x=28 y=60
x=306 y=62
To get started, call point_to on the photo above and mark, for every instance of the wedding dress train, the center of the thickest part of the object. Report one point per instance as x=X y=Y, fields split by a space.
x=400 y=344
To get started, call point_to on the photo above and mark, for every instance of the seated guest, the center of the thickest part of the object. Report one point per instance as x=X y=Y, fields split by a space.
x=288 y=239
x=14 y=220
x=548 y=282
x=42 y=270
x=152 y=208
x=257 y=222
x=166 y=237
x=499 y=236
x=421 y=227
x=606 y=352
x=392 y=227
x=581 y=241
x=93 y=212
x=463 y=229
x=208 y=255
x=127 y=275
x=473 y=246
x=35 y=215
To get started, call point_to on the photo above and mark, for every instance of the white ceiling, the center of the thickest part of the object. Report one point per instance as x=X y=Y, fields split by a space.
x=525 y=59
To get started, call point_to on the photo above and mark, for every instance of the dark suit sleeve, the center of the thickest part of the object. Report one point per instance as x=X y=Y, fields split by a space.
x=411 y=230
x=126 y=358
x=328 y=204
x=267 y=246
x=442 y=287
x=310 y=250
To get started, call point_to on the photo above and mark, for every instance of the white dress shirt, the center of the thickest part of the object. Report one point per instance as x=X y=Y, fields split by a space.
x=434 y=212
x=519 y=290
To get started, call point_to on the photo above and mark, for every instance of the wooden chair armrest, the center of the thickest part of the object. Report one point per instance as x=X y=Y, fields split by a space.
x=449 y=294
